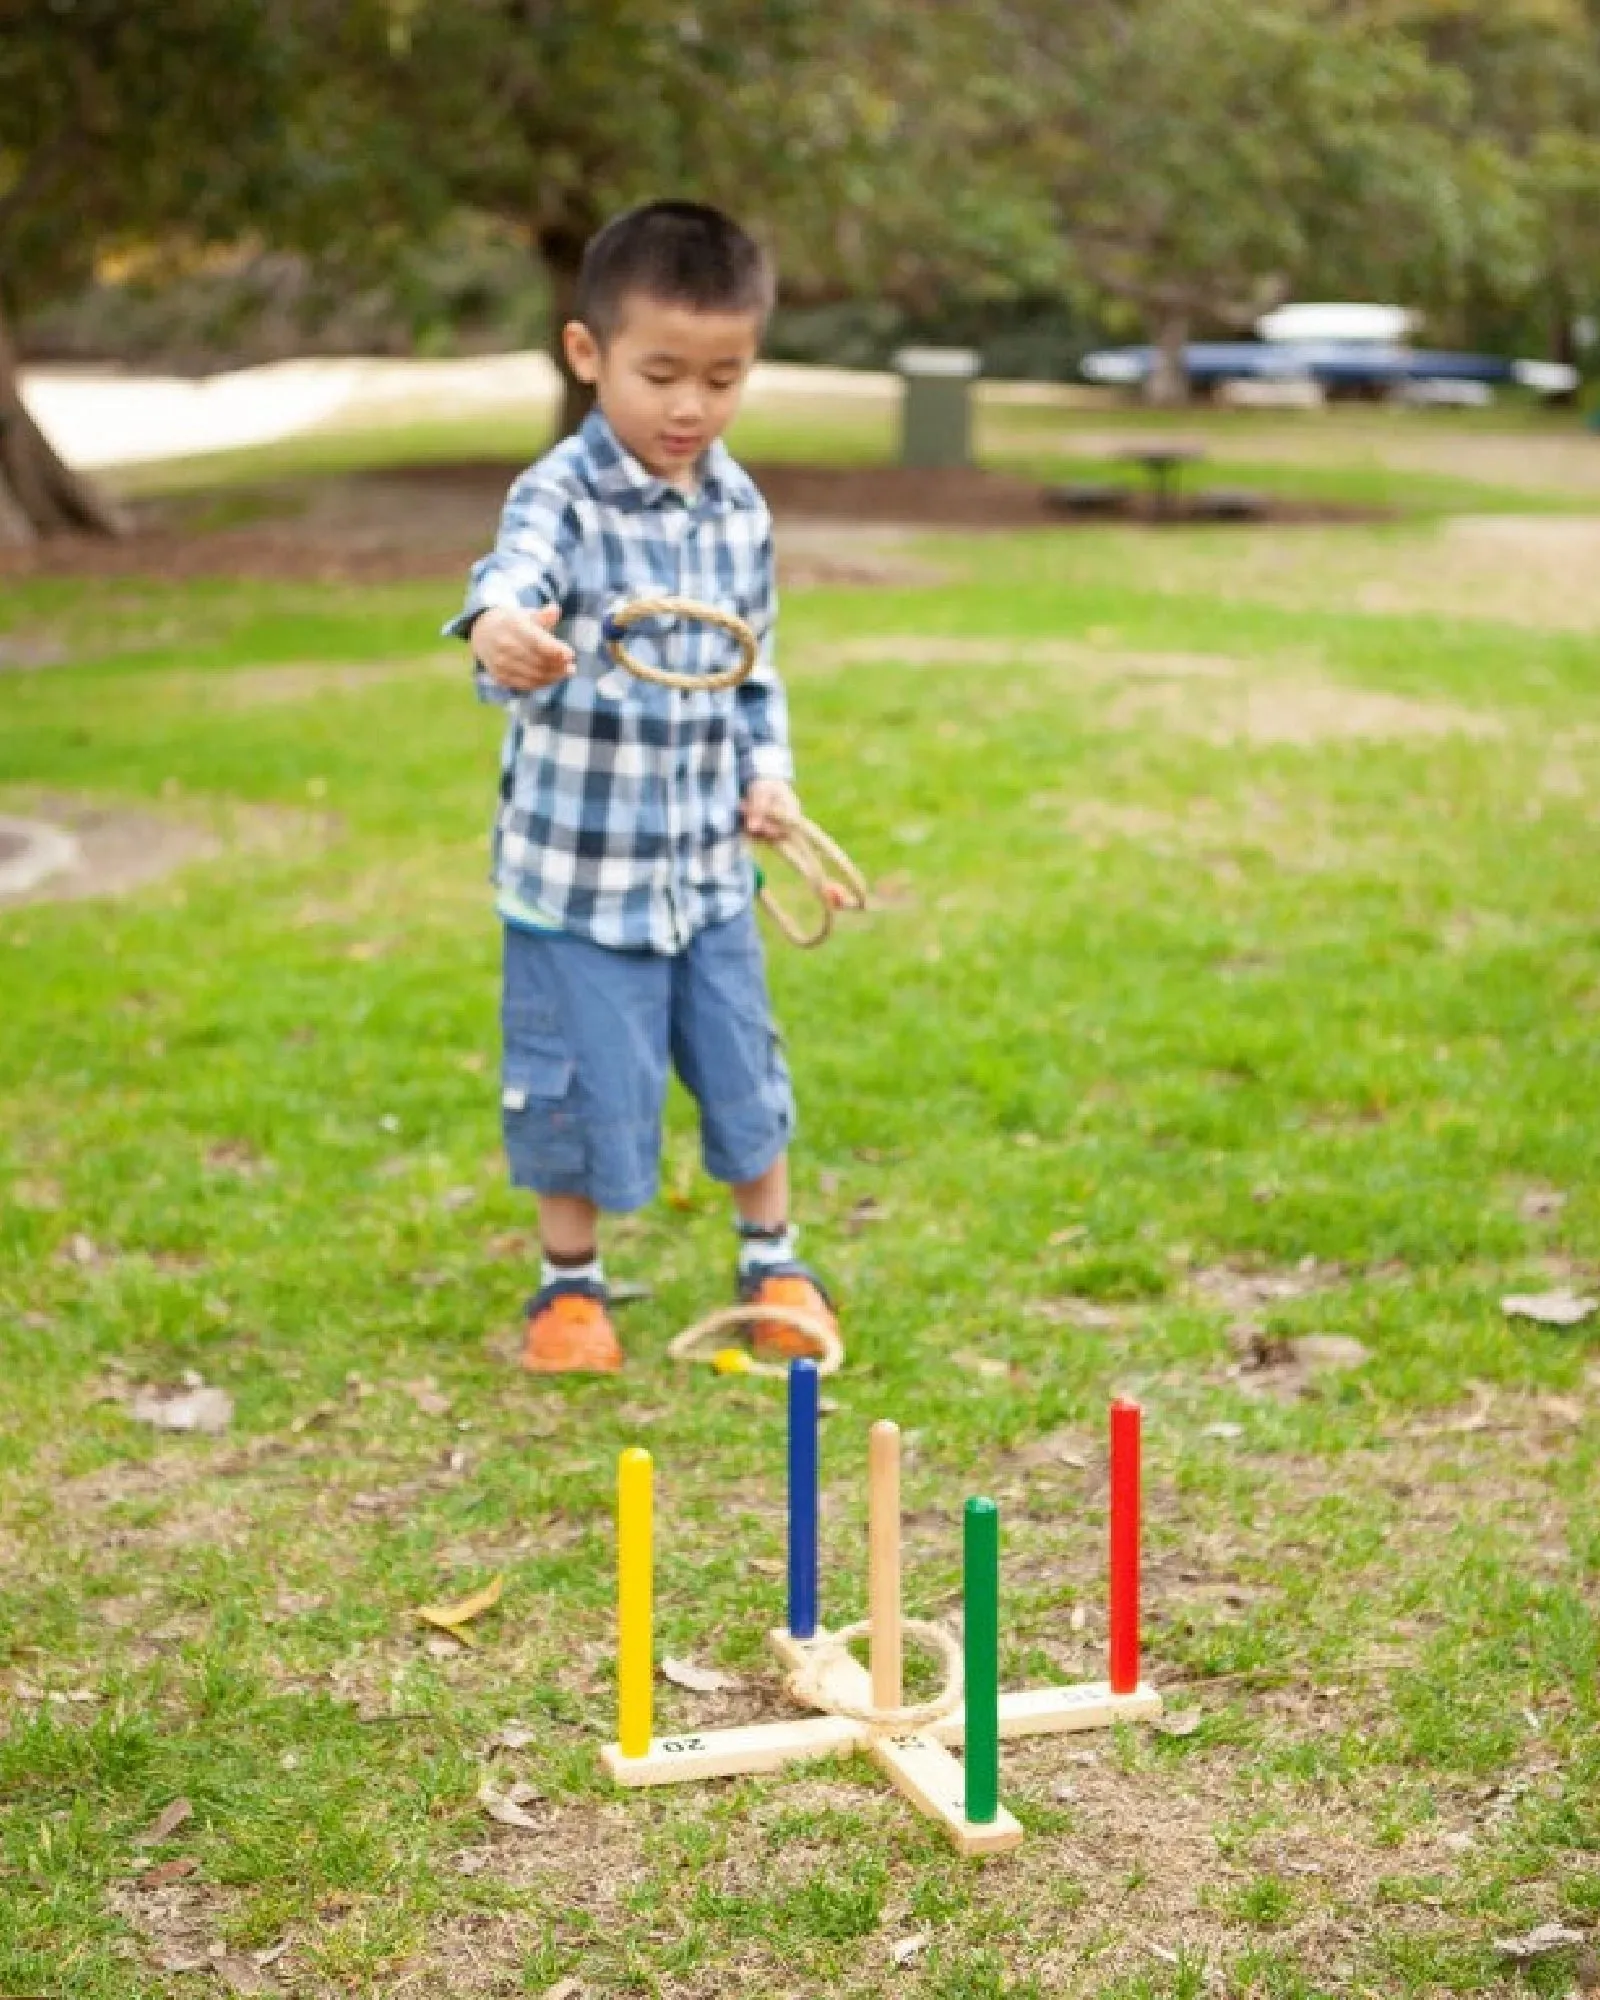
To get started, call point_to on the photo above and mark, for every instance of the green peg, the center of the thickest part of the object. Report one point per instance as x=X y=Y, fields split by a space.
x=981 y=1614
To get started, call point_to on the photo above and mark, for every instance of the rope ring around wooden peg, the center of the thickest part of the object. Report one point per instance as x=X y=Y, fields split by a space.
x=808 y=1683
x=808 y=851
x=685 y=1347
x=639 y=609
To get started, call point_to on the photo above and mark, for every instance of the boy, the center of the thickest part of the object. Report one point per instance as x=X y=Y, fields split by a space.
x=622 y=882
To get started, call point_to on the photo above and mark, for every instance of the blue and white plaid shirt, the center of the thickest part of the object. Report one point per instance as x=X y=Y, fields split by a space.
x=619 y=800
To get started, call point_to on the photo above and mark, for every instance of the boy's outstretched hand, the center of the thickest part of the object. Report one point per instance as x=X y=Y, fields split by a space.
x=770 y=809
x=519 y=650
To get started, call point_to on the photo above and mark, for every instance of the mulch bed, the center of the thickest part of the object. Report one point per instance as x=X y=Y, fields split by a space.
x=432 y=520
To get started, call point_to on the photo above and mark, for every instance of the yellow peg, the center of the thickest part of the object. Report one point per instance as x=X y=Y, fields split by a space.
x=635 y=1662
x=731 y=1361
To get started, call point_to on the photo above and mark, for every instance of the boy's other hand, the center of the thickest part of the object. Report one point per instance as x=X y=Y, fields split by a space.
x=519 y=650
x=770 y=809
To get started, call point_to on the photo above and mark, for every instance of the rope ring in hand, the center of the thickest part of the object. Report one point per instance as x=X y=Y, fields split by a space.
x=808 y=1683
x=685 y=1347
x=639 y=609
x=809 y=851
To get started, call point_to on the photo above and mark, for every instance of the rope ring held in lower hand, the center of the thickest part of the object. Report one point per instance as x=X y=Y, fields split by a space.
x=829 y=1361
x=624 y=616
x=808 y=1683
x=809 y=851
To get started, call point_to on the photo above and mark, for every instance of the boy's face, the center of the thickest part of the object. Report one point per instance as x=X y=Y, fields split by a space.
x=669 y=378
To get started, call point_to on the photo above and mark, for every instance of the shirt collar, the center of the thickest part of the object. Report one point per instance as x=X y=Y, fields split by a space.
x=619 y=476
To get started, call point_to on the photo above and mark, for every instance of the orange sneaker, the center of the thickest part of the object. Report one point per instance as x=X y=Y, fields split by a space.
x=793 y=1288
x=570 y=1333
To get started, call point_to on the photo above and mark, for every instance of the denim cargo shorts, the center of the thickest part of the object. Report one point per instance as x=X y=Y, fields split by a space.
x=588 y=1037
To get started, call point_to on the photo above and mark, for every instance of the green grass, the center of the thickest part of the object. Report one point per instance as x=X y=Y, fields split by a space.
x=1220 y=932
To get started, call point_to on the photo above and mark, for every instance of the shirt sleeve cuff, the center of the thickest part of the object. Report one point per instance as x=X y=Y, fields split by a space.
x=491 y=691
x=494 y=593
x=765 y=760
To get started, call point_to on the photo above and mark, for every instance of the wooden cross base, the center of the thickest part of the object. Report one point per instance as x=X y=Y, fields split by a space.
x=917 y=1762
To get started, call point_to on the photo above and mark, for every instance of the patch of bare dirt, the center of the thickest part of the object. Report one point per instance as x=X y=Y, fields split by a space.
x=1237 y=1288
x=1299 y=714
x=25 y=652
x=180 y=1922
x=122 y=848
x=1536 y=571
x=281 y=687
x=1199 y=694
x=433 y=520
x=1102 y=662
x=974 y=497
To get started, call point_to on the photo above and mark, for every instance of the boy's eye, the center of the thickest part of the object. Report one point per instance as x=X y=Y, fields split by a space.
x=660 y=381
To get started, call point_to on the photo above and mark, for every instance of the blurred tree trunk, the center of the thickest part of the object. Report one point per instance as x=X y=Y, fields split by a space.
x=1564 y=340
x=40 y=495
x=560 y=250
x=1169 y=377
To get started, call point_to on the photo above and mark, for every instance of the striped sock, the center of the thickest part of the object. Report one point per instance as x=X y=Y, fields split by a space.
x=760 y=1249
x=589 y=1270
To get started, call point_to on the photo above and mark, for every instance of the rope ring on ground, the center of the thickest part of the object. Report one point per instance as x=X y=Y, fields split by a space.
x=619 y=620
x=809 y=851
x=829 y=1361
x=807 y=1683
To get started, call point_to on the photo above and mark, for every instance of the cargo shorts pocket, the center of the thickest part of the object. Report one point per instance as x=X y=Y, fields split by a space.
x=539 y=1112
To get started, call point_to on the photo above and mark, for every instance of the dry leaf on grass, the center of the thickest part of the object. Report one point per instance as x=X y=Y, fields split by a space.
x=1181 y=1722
x=564 y=1989
x=508 y=1808
x=178 y=1958
x=905 y=1950
x=241 y=1975
x=309 y=1419
x=698 y=1680
x=428 y=1397
x=512 y=1736
x=1064 y=1447
x=166 y=1823
x=1328 y=1350
x=455 y=1618
x=1559 y=1308
x=981 y=1364
x=59 y=1697
x=168 y=1871
x=1226 y=1432
x=194 y=1407
x=1537 y=1942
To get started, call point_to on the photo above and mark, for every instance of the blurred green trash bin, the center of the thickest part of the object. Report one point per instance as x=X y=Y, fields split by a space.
x=936 y=405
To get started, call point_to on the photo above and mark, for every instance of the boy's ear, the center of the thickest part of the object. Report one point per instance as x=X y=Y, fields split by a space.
x=582 y=351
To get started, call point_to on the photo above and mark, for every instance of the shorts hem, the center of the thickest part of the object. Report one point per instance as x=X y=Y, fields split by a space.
x=717 y=1165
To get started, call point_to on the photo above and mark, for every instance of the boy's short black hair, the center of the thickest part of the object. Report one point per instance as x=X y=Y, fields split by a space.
x=678 y=252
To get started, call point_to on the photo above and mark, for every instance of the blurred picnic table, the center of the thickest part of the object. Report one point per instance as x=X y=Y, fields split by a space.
x=1163 y=465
